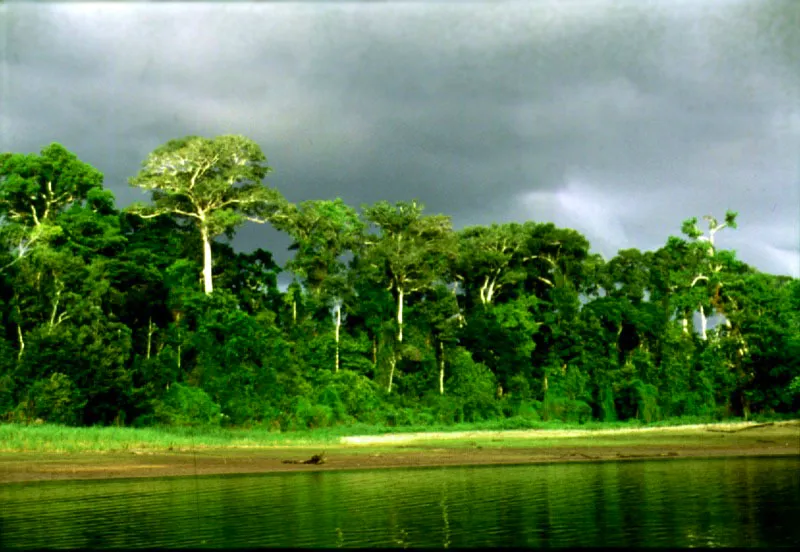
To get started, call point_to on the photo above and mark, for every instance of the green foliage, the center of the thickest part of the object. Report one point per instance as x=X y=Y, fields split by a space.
x=54 y=400
x=522 y=409
x=351 y=395
x=476 y=385
x=7 y=382
x=638 y=400
x=565 y=410
x=184 y=405
x=307 y=415
x=213 y=183
x=608 y=408
x=794 y=387
x=105 y=321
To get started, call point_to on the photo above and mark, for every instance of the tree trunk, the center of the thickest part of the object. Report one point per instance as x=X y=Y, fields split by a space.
x=400 y=315
x=487 y=289
x=59 y=288
x=178 y=331
x=391 y=371
x=393 y=363
x=374 y=351
x=703 y=323
x=207 y=282
x=490 y=291
x=150 y=332
x=21 y=343
x=441 y=368
x=338 y=325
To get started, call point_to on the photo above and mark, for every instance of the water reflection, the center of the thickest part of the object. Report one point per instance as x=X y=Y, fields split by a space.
x=685 y=503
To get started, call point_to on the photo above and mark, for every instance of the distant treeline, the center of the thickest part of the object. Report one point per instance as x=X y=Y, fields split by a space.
x=142 y=317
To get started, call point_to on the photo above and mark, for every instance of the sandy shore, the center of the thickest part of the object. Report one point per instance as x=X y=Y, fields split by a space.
x=548 y=433
x=419 y=450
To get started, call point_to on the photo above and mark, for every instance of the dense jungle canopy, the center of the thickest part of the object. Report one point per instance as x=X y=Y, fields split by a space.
x=140 y=316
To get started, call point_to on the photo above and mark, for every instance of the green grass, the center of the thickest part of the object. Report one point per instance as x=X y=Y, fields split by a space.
x=55 y=438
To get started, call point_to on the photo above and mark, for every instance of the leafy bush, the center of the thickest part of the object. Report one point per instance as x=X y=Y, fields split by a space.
x=607 y=407
x=56 y=400
x=519 y=387
x=447 y=410
x=639 y=400
x=565 y=410
x=307 y=415
x=404 y=416
x=528 y=410
x=477 y=387
x=7 y=383
x=350 y=394
x=794 y=387
x=184 y=405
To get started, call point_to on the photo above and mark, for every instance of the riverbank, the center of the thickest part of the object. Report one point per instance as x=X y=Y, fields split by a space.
x=428 y=449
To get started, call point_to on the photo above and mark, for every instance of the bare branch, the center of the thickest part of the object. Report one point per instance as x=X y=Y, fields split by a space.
x=546 y=281
x=185 y=213
x=35 y=218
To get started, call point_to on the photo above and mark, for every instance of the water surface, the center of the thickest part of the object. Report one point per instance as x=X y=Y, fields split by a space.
x=675 y=503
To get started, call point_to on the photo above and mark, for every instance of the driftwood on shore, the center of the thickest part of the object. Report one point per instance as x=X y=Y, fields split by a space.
x=671 y=454
x=316 y=459
x=579 y=454
x=756 y=426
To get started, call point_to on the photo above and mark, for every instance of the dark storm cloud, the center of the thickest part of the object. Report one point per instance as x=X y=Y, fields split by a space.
x=619 y=119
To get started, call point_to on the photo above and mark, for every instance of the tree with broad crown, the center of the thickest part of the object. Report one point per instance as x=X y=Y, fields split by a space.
x=34 y=189
x=490 y=257
x=409 y=253
x=706 y=263
x=323 y=231
x=214 y=182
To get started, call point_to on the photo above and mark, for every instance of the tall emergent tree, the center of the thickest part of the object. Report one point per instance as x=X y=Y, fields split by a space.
x=34 y=189
x=706 y=265
x=491 y=257
x=409 y=253
x=215 y=182
x=323 y=232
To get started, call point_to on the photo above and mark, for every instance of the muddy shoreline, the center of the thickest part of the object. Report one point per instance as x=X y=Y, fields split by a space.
x=489 y=449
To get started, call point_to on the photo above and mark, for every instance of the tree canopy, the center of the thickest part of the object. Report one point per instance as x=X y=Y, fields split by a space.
x=393 y=317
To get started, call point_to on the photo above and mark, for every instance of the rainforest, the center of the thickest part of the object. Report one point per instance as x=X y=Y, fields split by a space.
x=147 y=316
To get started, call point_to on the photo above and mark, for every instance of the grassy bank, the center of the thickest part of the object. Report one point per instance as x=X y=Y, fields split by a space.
x=55 y=438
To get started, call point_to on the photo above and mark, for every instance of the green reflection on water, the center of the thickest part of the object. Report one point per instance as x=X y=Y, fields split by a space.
x=681 y=503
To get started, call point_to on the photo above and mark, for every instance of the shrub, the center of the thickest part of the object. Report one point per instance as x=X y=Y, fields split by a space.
x=566 y=410
x=476 y=385
x=307 y=415
x=519 y=387
x=55 y=400
x=607 y=407
x=447 y=410
x=528 y=410
x=7 y=384
x=183 y=405
x=646 y=397
x=350 y=394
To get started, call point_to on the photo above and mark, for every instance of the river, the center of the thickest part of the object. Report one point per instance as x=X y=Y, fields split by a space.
x=674 y=503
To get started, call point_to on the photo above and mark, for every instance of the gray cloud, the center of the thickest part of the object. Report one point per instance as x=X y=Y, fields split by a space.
x=619 y=119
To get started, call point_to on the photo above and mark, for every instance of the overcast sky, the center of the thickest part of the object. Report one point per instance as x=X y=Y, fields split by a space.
x=617 y=118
